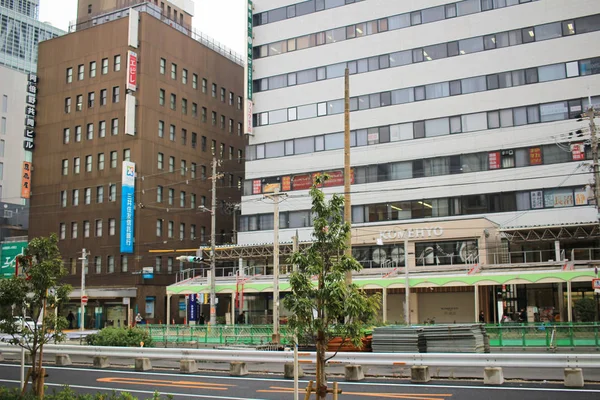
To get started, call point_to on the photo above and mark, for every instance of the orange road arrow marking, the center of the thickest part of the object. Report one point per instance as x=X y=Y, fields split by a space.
x=154 y=382
x=411 y=396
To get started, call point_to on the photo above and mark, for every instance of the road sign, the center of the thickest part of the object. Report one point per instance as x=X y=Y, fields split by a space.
x=596 y=283
x=84 y=299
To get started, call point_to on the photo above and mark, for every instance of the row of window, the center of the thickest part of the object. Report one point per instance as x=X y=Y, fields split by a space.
x=419 y=168
x=104 y=65
x=298 y=10
x=87 y=195
x=434 y=52
x=91 y=99
x=193 y=169
x=432 y=91
x=98 y=227
x=401 y=21
x=194 y=112
x=89 y=131
x=182 y=230
x=89 y=162
x=97 y=265
x=184 y=80
x=428 y=208
x=508 y=117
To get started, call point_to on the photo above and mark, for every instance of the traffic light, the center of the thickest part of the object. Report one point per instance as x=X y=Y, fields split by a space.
x=192 y=259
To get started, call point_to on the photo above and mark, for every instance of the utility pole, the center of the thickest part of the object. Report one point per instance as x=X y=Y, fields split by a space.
x=213 y=217
x=591 y=114
x=275 y=197
x=83 y=259
x=406 y=285
x=347 y=170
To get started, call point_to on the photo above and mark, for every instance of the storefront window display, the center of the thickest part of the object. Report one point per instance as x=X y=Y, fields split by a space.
x=446 y=253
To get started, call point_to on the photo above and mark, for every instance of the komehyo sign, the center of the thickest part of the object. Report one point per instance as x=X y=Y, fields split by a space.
x=412 y=233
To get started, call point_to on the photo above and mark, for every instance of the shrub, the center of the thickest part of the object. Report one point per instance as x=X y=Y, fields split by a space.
x=66 y=393
x=123 y=337
x=585 y=308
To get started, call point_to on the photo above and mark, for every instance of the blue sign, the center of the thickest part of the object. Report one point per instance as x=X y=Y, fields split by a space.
x=127 y=206
x=182 y=306
x=148 y=272
x=192 y=307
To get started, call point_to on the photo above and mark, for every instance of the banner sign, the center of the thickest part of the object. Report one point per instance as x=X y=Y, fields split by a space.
x=26 y=180
x=127 y=206
x=249 y=60
x=8 y=255
x=192 y=307
x=131 y=71
x=148 y=272
x=30 y=111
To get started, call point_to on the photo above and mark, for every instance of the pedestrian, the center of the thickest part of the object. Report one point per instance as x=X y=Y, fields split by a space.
x=70 y=318
x=201 y=319
x=241 y=319
x=523 y=315
x=138 y=318
x=481 y=318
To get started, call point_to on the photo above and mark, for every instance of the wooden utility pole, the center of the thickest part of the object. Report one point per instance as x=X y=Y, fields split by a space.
x=591 y=114
x=347 y=169
x=213 y=218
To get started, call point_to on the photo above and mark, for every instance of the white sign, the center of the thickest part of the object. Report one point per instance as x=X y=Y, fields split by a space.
x=412 y=233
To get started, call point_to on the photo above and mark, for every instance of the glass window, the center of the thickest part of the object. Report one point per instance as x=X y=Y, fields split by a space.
x=552 y=72
x=468 y=7
x=402 y=96
x=472 y=45
x=493 y=119
x=554 y=111
x=548 y=31
x=520 y=116
x=437 y=127
x=401 y=132
x=400 y=58
x=433 y=14
x=435 y=52
x=533 y=114
x=587 y=24
x=437 y=90
x=506 y=118
x=304 y=145
x=399 y=21
x=474 y=122
x=473 y=162
x=472 y=85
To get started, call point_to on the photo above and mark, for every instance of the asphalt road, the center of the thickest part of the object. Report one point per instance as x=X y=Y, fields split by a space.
x=220 y=386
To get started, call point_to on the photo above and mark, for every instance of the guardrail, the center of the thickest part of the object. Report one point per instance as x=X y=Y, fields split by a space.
x=413 y=359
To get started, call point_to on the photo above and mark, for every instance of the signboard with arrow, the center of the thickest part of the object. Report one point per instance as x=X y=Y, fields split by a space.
x=8 y=257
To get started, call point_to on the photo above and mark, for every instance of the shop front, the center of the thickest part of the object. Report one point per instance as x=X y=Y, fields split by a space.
x=105 y=307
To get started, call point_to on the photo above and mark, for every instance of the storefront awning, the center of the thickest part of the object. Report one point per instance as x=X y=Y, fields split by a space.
x=513 y=277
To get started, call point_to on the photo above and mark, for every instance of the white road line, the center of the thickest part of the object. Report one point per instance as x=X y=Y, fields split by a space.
x=199 y=396
x=376 y=384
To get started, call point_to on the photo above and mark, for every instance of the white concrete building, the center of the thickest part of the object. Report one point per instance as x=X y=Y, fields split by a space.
x=456 y=111
x=20 y=33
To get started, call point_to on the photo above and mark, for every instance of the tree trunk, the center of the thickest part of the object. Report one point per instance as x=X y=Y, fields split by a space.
x=321 y=375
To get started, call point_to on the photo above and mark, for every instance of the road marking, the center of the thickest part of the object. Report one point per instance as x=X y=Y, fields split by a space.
x=166 y=383
x=408 y=396
x=115 y=389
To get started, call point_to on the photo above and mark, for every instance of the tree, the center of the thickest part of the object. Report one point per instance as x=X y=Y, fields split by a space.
x=585 y=308
x=35 y=293
x=330 y=308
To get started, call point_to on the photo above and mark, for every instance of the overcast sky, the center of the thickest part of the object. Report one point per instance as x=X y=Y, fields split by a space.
x=223 y=20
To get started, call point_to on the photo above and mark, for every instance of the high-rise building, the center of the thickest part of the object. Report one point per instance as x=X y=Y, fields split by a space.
x=460 y=118
x=20 y=34
x=131 y=112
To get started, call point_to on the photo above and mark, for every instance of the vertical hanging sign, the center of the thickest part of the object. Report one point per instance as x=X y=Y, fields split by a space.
x=248 y=70
x=131 y=71
x=127 y=206
x=30 y=111
x=26 y=180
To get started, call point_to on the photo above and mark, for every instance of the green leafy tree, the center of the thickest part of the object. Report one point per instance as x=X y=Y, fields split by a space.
x=331 y=307
x=585 y=309
x=35 y=294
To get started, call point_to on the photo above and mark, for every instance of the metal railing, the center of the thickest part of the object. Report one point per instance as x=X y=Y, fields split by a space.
x=544 y=256
x=547 y=335
x=248 y=335
x=529 y=360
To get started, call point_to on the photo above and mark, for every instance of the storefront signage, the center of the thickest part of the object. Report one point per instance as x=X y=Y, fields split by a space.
x=302 y=182
x=248 y=71
x=557 y=200
x=127 y=206
x=148 y=272
x=535 y=156
x=26 y=180
x=30 y=111
x=192 y=307
x=8 y=255
x=412 y=233
x=578 y=151
x=286 y=183
x=256 y=186
x=494 y=160
x=131 y=71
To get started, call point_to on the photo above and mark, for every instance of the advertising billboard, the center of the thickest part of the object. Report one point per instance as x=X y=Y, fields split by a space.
x=127 y=206
x=8 y=254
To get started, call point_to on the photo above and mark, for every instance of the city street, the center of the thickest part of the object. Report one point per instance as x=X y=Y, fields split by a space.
x=221 y=386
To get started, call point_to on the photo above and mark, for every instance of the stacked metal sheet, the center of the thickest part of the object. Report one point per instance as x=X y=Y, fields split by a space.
x=468 y=338
x=398 y=339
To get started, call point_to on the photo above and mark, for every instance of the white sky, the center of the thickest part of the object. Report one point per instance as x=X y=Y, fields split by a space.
x=223 y=20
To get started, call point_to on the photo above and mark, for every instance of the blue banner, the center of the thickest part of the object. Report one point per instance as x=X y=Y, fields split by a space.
x=192 y=307
x=127 y=206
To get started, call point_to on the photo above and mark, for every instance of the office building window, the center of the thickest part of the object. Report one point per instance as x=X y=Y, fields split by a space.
x=100 y=161
x=170 y=226
x=63 y=198
x=214 y=90
x=62 y=230
x=91 y=99
x=161 y=97
x=126 y=154
x=112 y=192
x=93 y=69
x=161 y=158
x=159 y=194
x=99 y=194
x=68 y=105
x=171 y=196
x=124 y=266
x=80 y=72
x=161 y=128
x=173 y=71
x=86 y=229
x=103 y=94
x=75 y=197
x=76 y=165
x=88 y=163
x=104 y=66
x=66 y=135
x=112 y=227
x=171 y=164
x=113 y=159
x=184 y=76
x=204 y=85
x=110 y=261
x=173 y=101
x=102 y=129
x=172 y=133
x=159 y=227
x=115 y=94
x=98 y=264
x=87 y=196
x=194 y=81
x=117 y=63
x=163 y=65
x=78 y=133
x=69 y=75
x=90 y=131
x=115 y=127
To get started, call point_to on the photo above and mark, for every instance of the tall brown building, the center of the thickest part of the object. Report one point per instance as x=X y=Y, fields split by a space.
x=130 y=112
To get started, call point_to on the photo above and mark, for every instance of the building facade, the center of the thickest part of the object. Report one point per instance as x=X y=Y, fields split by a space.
x=131 y=113
x=459 y=112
